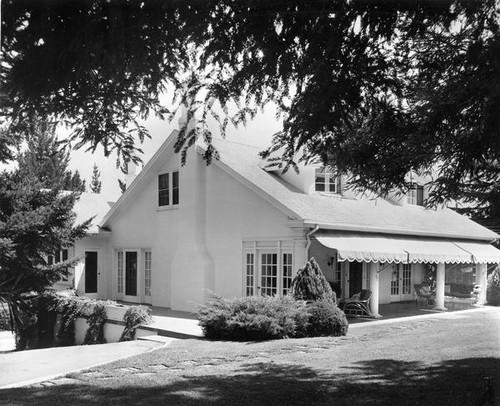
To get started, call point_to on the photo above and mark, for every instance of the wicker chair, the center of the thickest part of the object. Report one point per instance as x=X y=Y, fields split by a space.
x=424 y=296
x=358 y=304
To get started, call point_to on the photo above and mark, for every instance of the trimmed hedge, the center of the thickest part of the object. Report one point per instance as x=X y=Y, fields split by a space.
x=326 y=319
x=265 y=318
x=253 y=318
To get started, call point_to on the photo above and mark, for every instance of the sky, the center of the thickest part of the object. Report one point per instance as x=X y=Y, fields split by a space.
x=257 y=132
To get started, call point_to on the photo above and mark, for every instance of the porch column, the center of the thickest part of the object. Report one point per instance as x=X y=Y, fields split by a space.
x=440 y=287
x=374 y=287
x=481 y=280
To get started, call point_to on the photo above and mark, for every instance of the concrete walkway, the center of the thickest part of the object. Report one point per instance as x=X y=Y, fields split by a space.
x=21 y=368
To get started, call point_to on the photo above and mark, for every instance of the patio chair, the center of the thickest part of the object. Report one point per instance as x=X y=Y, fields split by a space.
x=424 y=295
x=358 y=304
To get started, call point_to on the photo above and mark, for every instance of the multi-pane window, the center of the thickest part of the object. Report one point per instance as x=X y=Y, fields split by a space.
x=287 y=272
x=120 y=271
x=326 y=181
x=415 y=195
x=269 y=274
x=366 y=272
x=338 y=272
x=168 y=189
x=250 y=274
x=175 y=187
x=59 y=256
x=147 y=273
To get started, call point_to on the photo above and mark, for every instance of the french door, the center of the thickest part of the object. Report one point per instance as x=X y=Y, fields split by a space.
x=127 y=262
x=270 y=275
x=401 y=282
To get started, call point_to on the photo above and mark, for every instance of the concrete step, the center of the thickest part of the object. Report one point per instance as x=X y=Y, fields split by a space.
x=169 y=333
x=156 y=338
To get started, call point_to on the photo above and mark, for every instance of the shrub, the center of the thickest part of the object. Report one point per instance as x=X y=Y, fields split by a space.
x=326 y=319
x=133 y=318
x=253 y=318
x=310 y=284
x=493 y=288
x=4 y=318
x=96 y=320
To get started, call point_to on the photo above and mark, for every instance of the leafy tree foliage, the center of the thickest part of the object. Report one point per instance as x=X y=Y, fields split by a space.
x=375 y=88
x=95 y=183
x=47 y=160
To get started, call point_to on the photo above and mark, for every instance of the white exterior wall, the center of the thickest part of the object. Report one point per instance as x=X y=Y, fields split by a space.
x=234 y=214
x=144 y=226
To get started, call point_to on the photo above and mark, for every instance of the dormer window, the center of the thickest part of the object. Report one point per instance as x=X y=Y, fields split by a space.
x=168 y=189
x=415 y=195
x=327 y=182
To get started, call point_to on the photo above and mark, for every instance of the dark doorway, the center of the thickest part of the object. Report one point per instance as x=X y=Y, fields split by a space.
x=355 y=277
x=91 y=271
x=131 y=273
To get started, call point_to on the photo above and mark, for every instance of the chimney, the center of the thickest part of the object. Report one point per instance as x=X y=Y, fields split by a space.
x=132 y=172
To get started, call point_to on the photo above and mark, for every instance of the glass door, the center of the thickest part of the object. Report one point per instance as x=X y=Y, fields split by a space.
x=268 y=274
x=401 y=282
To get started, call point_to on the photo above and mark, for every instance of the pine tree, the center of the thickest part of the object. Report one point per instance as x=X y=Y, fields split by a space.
x=46 y=159
x=36 y=220
x=310 y=284
x=95 y=183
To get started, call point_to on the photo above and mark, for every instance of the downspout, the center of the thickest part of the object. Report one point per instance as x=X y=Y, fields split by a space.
x=316 y=228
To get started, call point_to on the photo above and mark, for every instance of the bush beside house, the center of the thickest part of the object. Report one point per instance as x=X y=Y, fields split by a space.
x=309 y=310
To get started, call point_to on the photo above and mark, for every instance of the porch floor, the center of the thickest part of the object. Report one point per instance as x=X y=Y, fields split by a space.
x=407 y=309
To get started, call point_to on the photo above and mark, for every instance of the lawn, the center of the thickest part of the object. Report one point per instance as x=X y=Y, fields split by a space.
x=424 y=362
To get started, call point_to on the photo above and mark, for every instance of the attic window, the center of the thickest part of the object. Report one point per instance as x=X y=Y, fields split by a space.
x=168 y=189
x=326 y=181
x=415 y=195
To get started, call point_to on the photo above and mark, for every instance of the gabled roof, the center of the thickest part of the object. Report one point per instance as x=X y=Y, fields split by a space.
x=92 y=205
x=328 y=212
x=332 y=212
x=136 y=186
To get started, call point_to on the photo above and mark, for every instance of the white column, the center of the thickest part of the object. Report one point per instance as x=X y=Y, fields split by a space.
x=481 y=280
x=440 y=287
x=373 y=268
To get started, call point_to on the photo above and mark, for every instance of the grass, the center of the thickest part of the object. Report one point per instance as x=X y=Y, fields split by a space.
x=424 y=362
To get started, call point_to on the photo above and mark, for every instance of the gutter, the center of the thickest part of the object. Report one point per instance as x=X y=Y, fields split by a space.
x=396 y=231
x=308 y=235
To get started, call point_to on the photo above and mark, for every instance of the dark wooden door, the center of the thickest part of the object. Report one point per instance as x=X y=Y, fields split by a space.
x=131 y=273
x=91 y=271
x=355 y=277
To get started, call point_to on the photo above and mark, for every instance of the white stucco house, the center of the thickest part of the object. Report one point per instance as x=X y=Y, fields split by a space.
x=237 y=228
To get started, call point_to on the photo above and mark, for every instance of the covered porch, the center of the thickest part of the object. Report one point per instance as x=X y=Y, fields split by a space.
x=390 y=266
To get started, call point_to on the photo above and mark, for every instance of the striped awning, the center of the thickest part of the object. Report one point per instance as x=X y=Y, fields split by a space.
x=362 y=247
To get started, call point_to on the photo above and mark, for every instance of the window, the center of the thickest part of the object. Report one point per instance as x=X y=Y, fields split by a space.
x=326 y=181
x=60 y=256
x=120 y=271
x=269 y=274
x=415 y=195
x=250 y=274
x=287 y=272
x=168 y=189
x=147 y=273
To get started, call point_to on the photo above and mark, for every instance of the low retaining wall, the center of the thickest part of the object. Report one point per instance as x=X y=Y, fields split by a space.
x=113 y=327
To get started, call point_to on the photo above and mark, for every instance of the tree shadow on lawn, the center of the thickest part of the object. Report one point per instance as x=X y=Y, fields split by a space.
x=377 y=382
